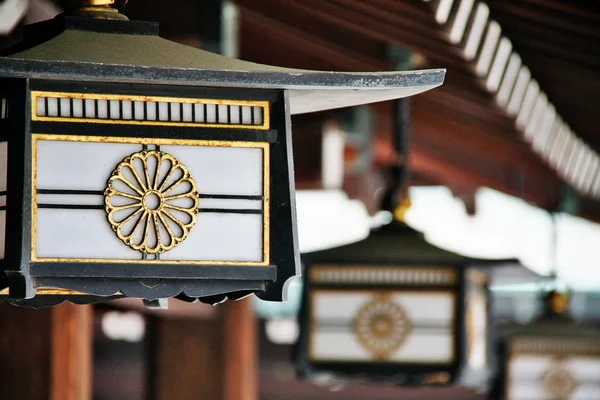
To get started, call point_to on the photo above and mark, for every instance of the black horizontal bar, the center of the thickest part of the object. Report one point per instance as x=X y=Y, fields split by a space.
x=3 y=193
x=229 y=196
x=2 y=208
x=70 y=191
x=156 y=269
x=230 y=211
x=335 y=324
x=72 y=206
x=100 y=193
x=226 y=133
x=101 y=207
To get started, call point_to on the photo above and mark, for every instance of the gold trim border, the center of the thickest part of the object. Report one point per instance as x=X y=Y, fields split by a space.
x=97 y=96
x=51 y=291
x=312 y=326
x=173 y=142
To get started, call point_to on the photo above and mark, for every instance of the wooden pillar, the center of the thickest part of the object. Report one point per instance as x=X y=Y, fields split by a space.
x=240 y=368
x=186 y=359
x=46 y=354
x=211 y=358
x=71 y=355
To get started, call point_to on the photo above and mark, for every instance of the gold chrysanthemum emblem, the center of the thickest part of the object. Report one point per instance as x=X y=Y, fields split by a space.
x=558 y=381
x=151 y=201
x=381 y=326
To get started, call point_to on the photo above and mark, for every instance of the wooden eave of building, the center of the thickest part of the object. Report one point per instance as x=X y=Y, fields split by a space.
x=460 y=136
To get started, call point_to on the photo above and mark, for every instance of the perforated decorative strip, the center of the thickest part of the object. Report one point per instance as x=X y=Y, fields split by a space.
x=382 y=275
x=556 y=345
x=148 y=110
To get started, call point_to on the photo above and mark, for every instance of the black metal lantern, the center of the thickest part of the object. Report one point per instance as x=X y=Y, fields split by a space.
x=141 y=167
x=551 y=358
x=395 y=308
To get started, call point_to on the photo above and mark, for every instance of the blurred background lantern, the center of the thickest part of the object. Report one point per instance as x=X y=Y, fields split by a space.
x=553 y=357
x=395 y=308
x=141 y=167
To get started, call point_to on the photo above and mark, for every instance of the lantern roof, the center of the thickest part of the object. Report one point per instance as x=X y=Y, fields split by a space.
x=397 y=243
x=76 y=48
x=554 y=321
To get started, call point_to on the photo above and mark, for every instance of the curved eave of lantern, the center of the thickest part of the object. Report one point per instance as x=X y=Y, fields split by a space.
x=132 y=52
x=398 y=243
x=550 y=326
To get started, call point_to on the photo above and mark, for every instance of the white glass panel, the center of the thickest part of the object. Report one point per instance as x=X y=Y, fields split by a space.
x=258 y=115
x=90 y=108
x=528 y=365
x=77 y=108
x=222 y=113
x=2 y=200
x=231 y=203
x=102 y=108
x=211 y=113
x=343 y=345
x=78 y=234
x=432 y=345
x=127 y=109
x=151 y=111
x=2 y=232
x=586 y=391
x=40 y=107
x=234 y=112
x=65 y=107
x=52 y=107
x=77 y=165
x=199 y=112
x=70 y=199
x=222 y=170
x=584 y=367
x=246 y=115
x=187 y=112
x=175 y=111
x=138 y=107
x=527 y=390
x=163 y=111
x=215 y=236
x=436 y=308
x=3 y=165
x=115 y=112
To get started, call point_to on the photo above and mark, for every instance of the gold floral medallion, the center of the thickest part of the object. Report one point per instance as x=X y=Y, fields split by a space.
x=381 y=326
x=151 y=201
x=558 y=381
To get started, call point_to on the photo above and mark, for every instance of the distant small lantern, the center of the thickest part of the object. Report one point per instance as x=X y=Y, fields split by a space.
x=551 y=358
x=141 y=167
x=397 y=309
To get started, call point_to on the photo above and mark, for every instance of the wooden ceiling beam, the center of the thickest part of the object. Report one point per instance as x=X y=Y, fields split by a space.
x=339 y=57
x=343 y=18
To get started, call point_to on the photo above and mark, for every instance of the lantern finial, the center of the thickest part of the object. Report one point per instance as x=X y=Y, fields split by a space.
x=557 y=303
x=402 y=207
x=100 y=9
